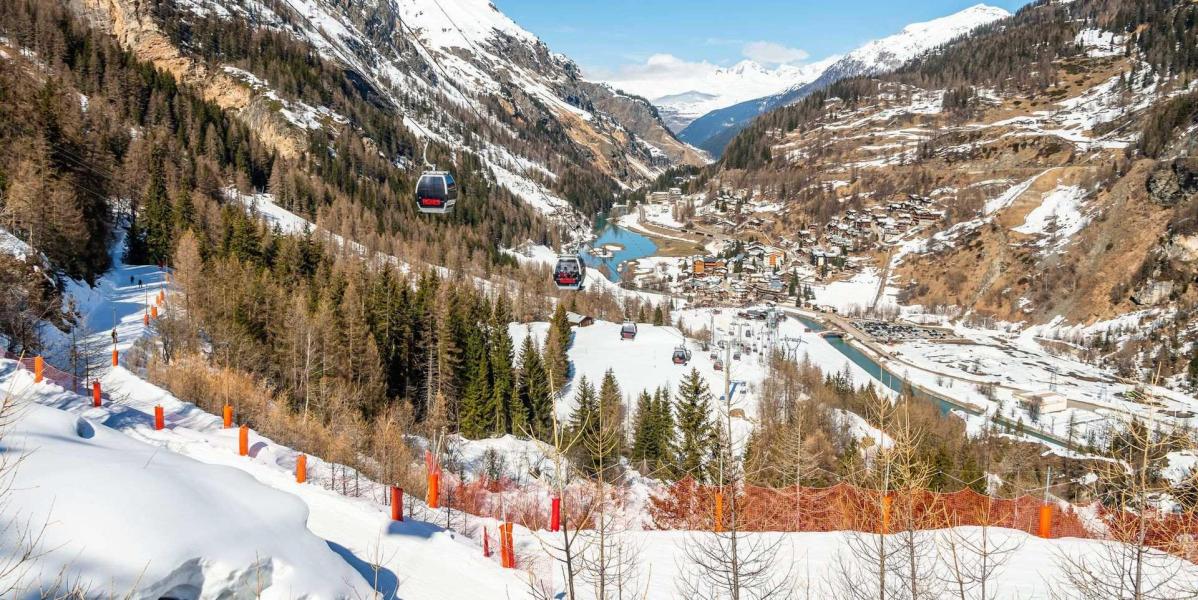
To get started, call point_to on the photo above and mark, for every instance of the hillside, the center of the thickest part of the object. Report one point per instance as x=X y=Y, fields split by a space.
x=714 y=130
x=1006 y=179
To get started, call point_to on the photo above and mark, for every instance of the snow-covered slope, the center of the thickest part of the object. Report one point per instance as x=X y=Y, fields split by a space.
x=713 y=131
x=114 y=514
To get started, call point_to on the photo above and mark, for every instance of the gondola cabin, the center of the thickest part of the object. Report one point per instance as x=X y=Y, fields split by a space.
x=681 y=355
x=628 y=331
x=436 y=192
x=570 y=272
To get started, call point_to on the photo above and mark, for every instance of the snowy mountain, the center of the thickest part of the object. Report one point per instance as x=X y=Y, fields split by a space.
x=715 y=129
x=459 y=73
x=701 y=88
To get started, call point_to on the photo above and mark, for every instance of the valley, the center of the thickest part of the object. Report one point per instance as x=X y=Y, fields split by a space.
x=394 y=299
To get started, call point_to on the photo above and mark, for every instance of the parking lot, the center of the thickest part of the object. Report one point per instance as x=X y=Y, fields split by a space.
x=885 y=331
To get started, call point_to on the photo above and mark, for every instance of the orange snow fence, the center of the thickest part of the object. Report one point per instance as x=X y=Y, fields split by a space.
x=39 y=369
x=845 y=507
x=434 y=490
x=243 y=441
x=97 y=396
x=159 y=418
x=396 y=503
x=301 y=468
x=227 y=412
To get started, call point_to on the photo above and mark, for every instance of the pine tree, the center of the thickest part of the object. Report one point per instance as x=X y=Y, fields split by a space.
x=534 y=394
x=558 y=340
x=477 y=411
x=611 y=402
x=156 y=216
x=503 y=383
x=643 y=436
x=694 y=425
x=584 y=425
x=664 y=431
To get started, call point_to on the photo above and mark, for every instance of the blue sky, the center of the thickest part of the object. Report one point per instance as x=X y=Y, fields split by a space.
x=605 y=35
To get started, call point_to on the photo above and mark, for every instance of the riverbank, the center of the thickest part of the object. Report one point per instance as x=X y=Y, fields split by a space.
x=879 y=364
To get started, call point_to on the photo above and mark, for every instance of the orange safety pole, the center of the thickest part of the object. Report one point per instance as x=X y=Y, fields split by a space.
x=96 y=395
x=1045 y=529
x=502 y=546
x=887 y=500
x=301 y=468
x=159 y=418
x=396 y=503
x=115 y=357
x=145 y=319
x=719 y=512
x=228 y=414
x=243 y=440
x=39 y=368
x=434 y=490
x=511 y=548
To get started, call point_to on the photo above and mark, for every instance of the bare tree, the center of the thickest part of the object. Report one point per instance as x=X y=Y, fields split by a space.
x=1132 y=488
x=568 y=548
x=727 y=563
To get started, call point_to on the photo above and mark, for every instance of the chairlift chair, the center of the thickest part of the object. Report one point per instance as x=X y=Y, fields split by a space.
x=570 y=272
x=628 y=331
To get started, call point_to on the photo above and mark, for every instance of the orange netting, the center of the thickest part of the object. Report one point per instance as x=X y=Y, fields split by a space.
x=843 y=507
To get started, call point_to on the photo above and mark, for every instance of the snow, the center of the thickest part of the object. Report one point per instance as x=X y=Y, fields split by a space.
x=687 y=90
x=298 y=113
x=120 y=514
x=1099 y=43
x=274 y=215
x=1180 y=465
x=858 y=291
x=1058 y=216
x=13 y=246
x=131 y=504
x=915 y=39
x=1006 y=198
x=534 y=194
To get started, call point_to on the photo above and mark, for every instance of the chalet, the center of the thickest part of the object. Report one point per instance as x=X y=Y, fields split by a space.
x=577 y=320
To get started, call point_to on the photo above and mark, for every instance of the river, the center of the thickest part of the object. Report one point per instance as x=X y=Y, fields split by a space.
x=632 y=246
x=895 y=382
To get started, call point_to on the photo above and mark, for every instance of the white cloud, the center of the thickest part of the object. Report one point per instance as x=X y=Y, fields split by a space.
x=772 y=53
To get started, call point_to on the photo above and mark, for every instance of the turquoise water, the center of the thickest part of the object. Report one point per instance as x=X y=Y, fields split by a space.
x=875 y=370
x=635 y=246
